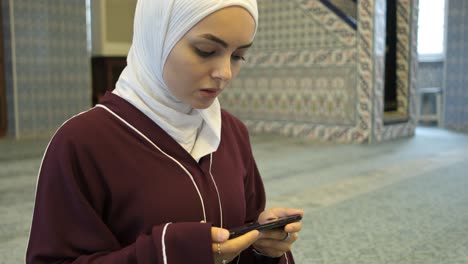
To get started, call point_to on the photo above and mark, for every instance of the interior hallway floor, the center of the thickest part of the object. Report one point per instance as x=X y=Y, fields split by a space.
x=403 y=201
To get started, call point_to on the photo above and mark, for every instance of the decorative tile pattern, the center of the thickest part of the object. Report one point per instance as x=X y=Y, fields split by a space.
x=403 y=55
x=330 y=22
x=323 y=57
x=366 y=89
x=50 y=61
x=279 y=30
x=290 y=95
x=376 y=17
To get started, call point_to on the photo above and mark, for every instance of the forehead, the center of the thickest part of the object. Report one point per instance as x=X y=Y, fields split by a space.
x=235 y=25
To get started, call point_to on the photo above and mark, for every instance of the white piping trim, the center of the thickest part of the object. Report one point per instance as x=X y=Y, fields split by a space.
x=163 y=243
x=13 y=67
x=286 y=256
x=42 y=162
x=48 y=144
x=167 y=155
x=217 y=192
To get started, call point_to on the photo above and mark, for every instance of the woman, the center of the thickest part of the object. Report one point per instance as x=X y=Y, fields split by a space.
x=157 y=172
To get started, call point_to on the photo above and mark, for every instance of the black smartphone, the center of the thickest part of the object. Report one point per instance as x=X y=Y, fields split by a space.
x=278 y=223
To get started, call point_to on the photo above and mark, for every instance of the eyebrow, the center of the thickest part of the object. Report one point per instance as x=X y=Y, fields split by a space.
x=222 y=42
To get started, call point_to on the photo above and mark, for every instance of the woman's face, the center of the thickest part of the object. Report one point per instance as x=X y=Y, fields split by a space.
x=209 y=56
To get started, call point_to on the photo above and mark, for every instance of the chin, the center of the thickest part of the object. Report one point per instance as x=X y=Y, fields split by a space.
x=202 y=105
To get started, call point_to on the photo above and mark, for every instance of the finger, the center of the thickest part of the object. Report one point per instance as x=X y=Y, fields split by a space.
x=293 y=227
x=240 y=243
x=272 y=248
x=280 y=236
x=276 y=247
x=219 y=235
x=276 y=234
x=277 y=212
x=290 y=239
x=284 y=211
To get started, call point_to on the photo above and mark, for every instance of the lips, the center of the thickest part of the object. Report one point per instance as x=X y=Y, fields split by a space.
x=210 y=92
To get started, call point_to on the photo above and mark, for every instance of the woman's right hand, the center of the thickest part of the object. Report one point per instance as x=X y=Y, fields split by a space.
x=224 y=250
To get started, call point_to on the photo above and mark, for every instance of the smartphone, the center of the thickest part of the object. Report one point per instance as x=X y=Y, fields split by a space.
x=275 y=224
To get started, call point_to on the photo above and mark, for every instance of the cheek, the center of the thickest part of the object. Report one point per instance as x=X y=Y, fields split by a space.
x=179 y=72
x=235 y=70
x=187 y=65
x=188 y=75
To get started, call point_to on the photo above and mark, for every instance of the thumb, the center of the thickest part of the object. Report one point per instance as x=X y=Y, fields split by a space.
x=242 y=242
x=219 y=235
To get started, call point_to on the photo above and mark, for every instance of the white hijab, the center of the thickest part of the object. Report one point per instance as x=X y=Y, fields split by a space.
x=158 y=26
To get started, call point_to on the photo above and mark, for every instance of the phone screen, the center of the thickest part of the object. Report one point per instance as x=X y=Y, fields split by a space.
x=275 y=224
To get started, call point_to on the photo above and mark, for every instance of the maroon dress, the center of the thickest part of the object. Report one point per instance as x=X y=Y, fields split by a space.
x=114 y=187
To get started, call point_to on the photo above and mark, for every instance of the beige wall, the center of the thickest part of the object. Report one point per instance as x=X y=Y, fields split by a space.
x=112 y=26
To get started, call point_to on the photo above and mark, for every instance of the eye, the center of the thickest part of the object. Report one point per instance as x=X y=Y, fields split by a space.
x=237 y=57
x=203 y=53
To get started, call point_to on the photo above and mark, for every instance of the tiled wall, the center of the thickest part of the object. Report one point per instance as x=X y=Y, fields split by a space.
x=311 y=75
x=456 y=85
x=47 y=64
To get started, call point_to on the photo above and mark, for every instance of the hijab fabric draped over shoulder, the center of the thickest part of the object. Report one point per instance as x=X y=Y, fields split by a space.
x=158 y=26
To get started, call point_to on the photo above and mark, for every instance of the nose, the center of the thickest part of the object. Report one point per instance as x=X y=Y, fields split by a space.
x=222 y=70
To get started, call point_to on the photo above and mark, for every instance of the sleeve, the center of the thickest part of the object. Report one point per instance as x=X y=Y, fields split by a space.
x=67 y=226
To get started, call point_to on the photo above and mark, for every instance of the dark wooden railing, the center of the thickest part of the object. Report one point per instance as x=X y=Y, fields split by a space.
x=349 y=19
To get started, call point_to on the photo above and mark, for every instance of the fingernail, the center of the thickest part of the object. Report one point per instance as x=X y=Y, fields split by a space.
x=260 y=234
x=223 y=235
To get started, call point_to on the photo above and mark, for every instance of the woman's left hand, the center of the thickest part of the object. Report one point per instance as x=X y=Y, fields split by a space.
x=274 y=243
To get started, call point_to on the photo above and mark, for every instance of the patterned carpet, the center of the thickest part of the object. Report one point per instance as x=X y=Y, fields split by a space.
x=418 y=220
x=398 y=202
x=403 y=201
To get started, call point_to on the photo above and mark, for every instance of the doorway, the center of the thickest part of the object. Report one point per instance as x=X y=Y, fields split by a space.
x=390 y=88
